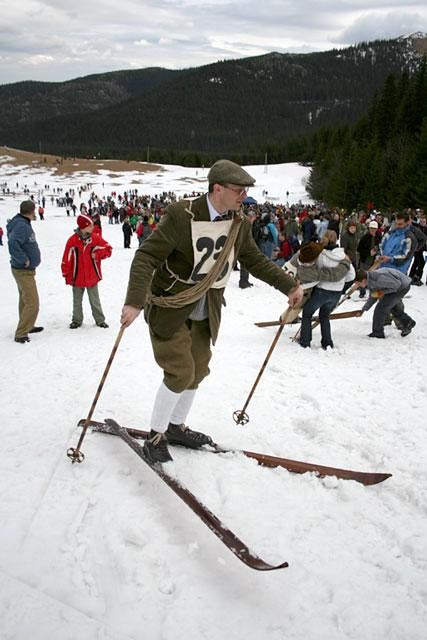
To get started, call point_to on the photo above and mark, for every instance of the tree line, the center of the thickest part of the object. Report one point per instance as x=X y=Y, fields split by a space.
x=241 y=109
x=382 y=159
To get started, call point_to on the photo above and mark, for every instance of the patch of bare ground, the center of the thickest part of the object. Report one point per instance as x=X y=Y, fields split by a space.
x=64 y=166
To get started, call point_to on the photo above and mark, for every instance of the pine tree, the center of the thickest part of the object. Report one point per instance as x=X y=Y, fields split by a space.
x=386 y=111
x=418 y=185
x=383 y=157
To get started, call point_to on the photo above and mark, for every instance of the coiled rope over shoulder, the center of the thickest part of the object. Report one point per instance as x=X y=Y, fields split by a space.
x=196 y=291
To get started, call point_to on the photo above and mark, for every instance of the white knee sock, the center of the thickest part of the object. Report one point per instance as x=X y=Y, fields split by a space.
x=164 y=405
x=183 y=406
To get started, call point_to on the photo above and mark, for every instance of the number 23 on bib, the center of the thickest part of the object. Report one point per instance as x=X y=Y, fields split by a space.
x=208 y=240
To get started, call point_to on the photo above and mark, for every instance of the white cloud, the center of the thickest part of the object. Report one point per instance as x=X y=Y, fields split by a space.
x=377 y=25
x=75 y=36
x=39 y=60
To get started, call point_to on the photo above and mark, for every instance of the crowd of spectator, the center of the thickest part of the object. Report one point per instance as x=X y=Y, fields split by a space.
x=278 y=229
x=397 y=239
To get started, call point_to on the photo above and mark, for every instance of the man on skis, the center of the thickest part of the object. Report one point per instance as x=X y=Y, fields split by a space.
x=175 y=278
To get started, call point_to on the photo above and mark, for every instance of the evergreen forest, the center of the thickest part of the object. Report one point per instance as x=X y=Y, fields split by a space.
x=269 y=105
x=382 y=159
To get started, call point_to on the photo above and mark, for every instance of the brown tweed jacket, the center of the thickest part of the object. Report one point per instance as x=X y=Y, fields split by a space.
x=171 y=241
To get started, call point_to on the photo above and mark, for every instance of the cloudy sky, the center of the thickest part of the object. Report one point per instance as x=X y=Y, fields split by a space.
x=58 y=40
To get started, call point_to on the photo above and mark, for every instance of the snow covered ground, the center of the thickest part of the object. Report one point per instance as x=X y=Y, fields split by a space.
x=105 y=551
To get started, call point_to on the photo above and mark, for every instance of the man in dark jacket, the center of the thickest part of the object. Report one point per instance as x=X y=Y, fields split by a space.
x=24 y=258
x=308 y=229
x=367 y=249
x=419 y=230
x=178 y=277
x=349 y=241
x=368 y=246
x=127 y=233
x=387 y=287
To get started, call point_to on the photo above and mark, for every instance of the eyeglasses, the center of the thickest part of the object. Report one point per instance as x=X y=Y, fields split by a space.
x=239 y=190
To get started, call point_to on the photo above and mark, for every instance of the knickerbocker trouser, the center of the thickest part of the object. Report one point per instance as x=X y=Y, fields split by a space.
x=185 y=356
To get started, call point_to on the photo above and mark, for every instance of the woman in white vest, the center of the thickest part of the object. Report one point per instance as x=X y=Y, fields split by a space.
x=326 y=294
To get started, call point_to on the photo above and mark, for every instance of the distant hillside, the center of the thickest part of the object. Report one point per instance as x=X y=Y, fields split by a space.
x=238 y=107
x=26 y=102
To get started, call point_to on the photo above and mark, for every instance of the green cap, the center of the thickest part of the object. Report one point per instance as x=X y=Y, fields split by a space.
x=226 y=171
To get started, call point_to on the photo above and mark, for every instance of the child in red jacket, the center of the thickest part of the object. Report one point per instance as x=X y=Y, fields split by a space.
x=81 y=268
x=285 y=250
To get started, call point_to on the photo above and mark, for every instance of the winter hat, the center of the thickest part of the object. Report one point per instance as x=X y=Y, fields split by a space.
x=373 y=224
x=83 y=221
x=310 y=251
x=225 y=171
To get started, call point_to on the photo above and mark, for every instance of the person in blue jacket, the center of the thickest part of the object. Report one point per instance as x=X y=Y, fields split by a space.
x=270 y=236
x=24 y=259
x=398 y=244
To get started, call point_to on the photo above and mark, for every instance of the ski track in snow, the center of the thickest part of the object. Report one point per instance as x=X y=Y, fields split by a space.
x=103 y=550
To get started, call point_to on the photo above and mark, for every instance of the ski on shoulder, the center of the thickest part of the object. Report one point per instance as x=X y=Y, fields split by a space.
x=227 y=537
x=263 y=459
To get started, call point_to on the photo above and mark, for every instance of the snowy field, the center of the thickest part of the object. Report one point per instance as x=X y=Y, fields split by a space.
x=105 y=551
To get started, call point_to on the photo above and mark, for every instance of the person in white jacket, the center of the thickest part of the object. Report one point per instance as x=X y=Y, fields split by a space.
x=326 y=294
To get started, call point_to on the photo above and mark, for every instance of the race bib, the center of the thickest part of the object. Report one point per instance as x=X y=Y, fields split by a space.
x=208 y=240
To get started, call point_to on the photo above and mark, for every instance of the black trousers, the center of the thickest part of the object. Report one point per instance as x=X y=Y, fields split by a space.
x=244 y=276
x=417 y=265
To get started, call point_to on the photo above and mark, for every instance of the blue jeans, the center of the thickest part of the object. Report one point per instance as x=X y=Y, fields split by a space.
x=267 y=247
x=325 y=301
x=279 y=261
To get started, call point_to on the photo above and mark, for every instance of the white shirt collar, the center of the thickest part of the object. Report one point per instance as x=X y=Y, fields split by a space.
x=212 y=211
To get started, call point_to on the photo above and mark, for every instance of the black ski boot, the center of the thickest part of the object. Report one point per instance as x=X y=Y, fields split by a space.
x=180 y=434
x=156 y=447
x=407 y=330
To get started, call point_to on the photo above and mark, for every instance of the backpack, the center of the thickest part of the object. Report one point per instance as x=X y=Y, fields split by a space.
x=266 y=233
x=256 y=231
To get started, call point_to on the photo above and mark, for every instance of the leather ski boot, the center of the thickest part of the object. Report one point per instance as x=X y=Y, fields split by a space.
x=180 y=434
x=156 y=447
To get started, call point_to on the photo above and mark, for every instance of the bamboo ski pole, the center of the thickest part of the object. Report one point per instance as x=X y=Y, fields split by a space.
x=75 y=454
x=240 y=416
